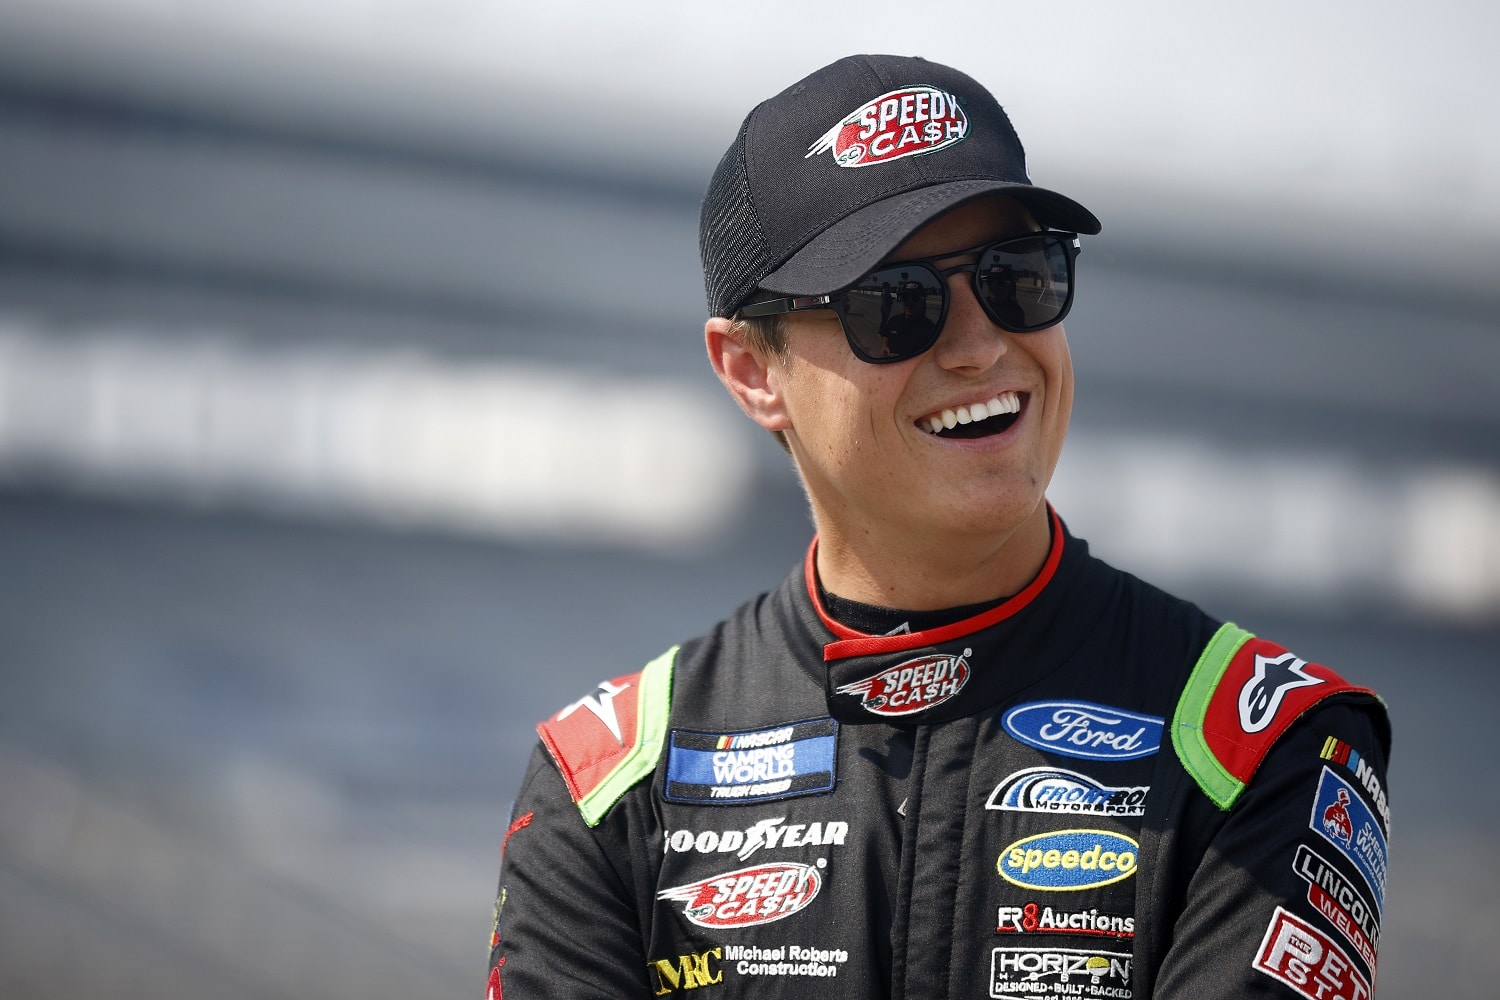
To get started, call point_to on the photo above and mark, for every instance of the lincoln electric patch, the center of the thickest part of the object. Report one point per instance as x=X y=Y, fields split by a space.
x=725 y=769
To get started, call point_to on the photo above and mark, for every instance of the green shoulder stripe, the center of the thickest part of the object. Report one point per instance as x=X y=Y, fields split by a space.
x=653 y=703
x=1188 y=738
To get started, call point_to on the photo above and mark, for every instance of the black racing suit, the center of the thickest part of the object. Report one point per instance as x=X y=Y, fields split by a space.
x=1090 y=790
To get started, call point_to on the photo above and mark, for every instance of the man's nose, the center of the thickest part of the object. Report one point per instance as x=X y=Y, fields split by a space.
x=970 y=339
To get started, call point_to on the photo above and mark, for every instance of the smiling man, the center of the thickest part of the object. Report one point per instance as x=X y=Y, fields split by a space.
x=953 y=755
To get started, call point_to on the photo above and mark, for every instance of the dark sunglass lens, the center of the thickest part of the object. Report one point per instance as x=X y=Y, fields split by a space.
x=1025 y=282
x=894 y=312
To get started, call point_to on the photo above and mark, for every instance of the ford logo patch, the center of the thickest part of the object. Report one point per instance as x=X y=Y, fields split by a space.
x=1084 y=729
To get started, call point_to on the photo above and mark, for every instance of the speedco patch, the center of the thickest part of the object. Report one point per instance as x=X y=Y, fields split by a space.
x=1307 y=960
x=1340 y=902
x=906 y=122
x=1059 y=972
x=913 y=686
x=1033 y=918
x=1084 y=729
x=1068 y=860
x=1052 y=789
x=766 y=833
x=754 y=766
x=756 y=895
x=1341 y=817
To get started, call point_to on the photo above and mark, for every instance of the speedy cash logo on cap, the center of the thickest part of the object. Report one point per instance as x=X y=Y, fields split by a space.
x=910 y=121
x=912 y=686
x=756 y=895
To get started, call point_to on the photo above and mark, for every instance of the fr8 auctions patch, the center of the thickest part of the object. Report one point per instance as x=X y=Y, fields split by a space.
x=1059 y=972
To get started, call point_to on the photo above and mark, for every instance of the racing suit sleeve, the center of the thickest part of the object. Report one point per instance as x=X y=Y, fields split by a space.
x=1287 y=898
x=566 y=924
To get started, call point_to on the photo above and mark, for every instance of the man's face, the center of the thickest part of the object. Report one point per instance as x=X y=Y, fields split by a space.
x=862 y=434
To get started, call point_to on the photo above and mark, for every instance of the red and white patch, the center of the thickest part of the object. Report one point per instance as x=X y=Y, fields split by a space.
x=590 y=737
x=906 y=122
x=912 y=686
x=1304 y=958
x=756 y=895
x=1262 y=692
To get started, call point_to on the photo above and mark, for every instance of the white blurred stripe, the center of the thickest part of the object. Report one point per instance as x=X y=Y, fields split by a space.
x=496 y=448
x=1321 y=529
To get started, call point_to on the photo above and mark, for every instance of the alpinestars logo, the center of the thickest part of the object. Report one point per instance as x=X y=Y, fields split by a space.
x=906 y=122
x=913 y=686
x=756 y=895
x=1263 y=693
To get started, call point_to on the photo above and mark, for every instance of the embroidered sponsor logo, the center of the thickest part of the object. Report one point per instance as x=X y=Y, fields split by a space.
x=1068 y=860
x=1307 y=960
x=600 y=704
x=1341 y=817
x=686 y=972
x=754 y=766
x=1342 y=753
x=906 y=122
x=756 y=895
x=1033 y=918
x=495 y=989
x=1084 y=729
x=1052 y=789
x=771 y=833
x=912 y=686
x=787 y=960
x=1337 y=899
x=1262 y=694
x=1059 y=972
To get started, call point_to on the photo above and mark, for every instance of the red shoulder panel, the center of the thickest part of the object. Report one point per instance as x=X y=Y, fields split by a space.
x=1263 y=691
x=588 y=738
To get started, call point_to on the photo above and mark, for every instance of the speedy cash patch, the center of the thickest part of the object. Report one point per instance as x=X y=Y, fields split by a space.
x=748 y=896
x=912 y=121
x=751 y=766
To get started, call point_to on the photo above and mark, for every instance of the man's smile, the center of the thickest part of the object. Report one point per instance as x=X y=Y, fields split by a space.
x=980 y=419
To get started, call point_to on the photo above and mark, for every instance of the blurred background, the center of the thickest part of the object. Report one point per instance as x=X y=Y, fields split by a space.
x=353 y=417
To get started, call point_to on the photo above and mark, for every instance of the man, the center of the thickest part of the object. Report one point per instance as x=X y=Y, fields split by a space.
x=953 y=755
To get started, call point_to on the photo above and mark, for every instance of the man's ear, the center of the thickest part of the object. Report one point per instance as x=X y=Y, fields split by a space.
x=754 y=381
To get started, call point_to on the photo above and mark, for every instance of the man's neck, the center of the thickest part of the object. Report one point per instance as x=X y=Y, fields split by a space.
x=928 y=574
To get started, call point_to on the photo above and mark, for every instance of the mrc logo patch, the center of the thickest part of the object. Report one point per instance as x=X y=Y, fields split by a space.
x=748 y=896
x=911 y=121
x=911 y=686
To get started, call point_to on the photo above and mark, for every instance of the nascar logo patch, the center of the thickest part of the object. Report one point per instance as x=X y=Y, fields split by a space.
x=751 y=766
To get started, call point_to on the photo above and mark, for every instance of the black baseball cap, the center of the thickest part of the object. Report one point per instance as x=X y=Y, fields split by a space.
x=833 y=173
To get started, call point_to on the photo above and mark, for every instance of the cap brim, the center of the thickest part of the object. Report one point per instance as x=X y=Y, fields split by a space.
x=837 y=256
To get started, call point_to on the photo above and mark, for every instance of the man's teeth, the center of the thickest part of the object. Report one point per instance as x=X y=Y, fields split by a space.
x=1006 y=402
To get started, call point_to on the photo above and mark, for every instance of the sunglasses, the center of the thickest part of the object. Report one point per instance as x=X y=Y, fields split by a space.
x=896 y=312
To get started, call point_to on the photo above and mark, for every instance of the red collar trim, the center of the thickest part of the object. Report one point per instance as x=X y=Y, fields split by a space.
x=852 y=643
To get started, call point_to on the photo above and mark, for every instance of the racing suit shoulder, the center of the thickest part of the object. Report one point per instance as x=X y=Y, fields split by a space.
x=1240 y=698
x=611 y=739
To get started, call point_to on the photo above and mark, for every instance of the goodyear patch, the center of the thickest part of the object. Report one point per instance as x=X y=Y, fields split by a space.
x=1068 y=860
x=1341 y=817
x=758 y=765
